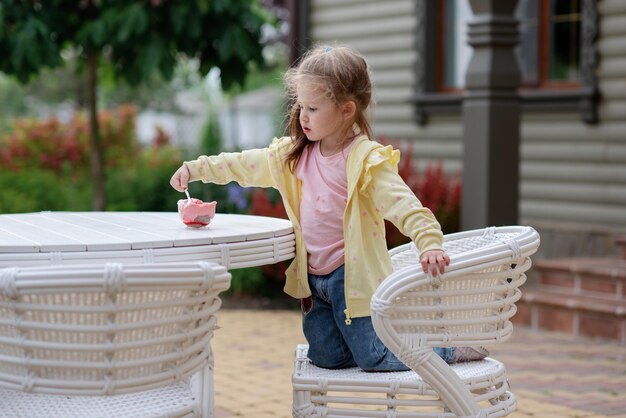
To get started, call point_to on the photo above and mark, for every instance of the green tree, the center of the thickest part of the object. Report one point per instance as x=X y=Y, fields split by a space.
x=136 y=38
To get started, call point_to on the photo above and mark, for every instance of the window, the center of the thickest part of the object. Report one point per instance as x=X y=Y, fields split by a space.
x=549 y=45
x=549 y=50
x=556 y=54
x=455 y=53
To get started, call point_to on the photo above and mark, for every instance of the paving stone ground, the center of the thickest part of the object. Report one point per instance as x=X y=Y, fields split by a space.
x=553 y=375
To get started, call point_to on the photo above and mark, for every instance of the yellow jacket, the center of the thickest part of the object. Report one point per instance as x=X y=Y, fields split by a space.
x=375 y=192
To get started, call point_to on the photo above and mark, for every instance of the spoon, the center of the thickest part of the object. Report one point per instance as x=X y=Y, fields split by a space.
x=188 y=197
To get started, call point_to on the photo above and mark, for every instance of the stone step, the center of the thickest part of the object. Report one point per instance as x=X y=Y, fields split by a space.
x=603 y=277
x=580 y=314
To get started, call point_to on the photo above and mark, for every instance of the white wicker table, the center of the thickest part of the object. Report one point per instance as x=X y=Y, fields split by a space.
x=133 y=238
x=235 y=241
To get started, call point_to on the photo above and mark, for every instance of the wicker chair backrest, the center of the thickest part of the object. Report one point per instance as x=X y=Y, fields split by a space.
x=106 y=329
x=471 y=304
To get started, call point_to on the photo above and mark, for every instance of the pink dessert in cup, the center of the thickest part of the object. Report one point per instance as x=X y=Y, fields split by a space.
x=195 y=213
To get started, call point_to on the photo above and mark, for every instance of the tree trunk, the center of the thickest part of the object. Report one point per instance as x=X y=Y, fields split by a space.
x=98 y=199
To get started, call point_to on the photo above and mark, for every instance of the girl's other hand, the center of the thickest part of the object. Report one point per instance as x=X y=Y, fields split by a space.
x=180 y=179
x=434 y=260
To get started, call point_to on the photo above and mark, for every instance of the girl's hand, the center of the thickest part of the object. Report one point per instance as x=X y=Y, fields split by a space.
x=180 y=179
x=434 y=260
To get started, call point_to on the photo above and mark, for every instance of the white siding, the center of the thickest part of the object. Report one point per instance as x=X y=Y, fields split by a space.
x=575 y=172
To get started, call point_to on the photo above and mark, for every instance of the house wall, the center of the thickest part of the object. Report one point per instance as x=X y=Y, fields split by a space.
x=573 y=175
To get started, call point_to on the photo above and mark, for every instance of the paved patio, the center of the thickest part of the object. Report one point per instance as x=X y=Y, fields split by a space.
x=553 y=375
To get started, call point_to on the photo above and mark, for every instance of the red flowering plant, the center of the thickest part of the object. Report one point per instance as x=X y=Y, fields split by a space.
x=62 y=148
x=49 y=145
x=267 y=202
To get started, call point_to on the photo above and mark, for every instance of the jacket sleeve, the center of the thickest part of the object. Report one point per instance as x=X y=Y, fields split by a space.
x=248 y=168
x=397 y=203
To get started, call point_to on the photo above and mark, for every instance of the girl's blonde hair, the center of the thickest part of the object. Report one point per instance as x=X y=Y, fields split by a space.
x=342 y=74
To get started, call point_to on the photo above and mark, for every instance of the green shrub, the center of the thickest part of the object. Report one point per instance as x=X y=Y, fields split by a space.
x=144 y=185
x=210 y=141
x=39 y=190
x=249 y=281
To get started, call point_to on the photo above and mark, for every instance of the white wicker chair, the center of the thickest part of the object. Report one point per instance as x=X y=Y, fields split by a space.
x=108 y=340
x=412 y=312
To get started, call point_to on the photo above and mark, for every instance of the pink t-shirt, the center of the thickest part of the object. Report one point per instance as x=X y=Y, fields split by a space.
x=324 y=197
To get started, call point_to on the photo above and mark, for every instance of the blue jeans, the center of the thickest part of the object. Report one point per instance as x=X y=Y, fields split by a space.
x=335 y=345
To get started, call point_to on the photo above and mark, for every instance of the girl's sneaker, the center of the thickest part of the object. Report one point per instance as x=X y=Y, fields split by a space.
x=462 y=354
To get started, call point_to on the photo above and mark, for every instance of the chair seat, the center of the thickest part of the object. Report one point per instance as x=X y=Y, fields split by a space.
x=338 y=391
x=171 y=401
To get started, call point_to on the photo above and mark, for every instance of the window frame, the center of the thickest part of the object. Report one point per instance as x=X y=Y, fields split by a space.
x=428 y=99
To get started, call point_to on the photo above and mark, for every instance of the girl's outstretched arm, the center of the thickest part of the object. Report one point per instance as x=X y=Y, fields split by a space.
x=248 y=168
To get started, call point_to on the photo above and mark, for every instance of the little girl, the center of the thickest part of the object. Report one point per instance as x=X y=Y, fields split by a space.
x=338 y=187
